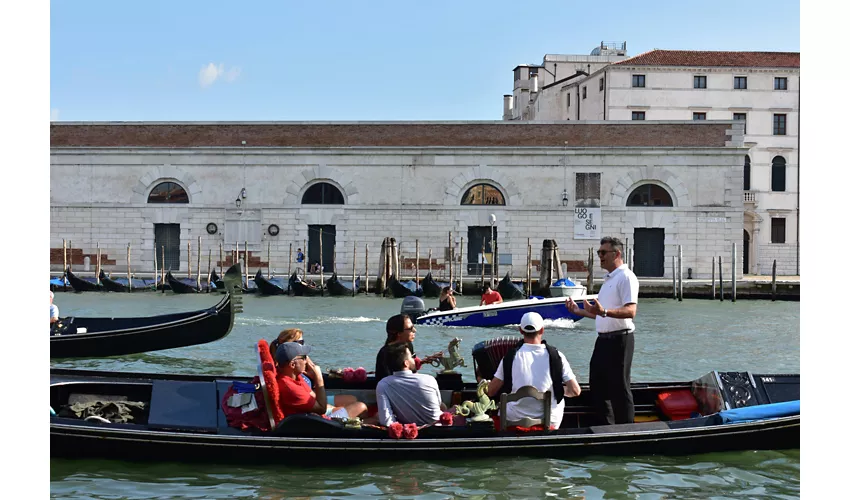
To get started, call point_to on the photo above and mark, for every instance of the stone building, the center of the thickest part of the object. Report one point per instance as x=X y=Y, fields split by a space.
x=274 y=185
x=762 y=89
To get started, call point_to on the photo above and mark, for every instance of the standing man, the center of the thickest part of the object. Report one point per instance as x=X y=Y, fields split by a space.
x=299 y=256
x=614 y=311
x=54 y=310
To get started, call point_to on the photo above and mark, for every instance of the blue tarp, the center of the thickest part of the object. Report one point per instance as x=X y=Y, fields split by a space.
x=564 y=282
x=760 y=412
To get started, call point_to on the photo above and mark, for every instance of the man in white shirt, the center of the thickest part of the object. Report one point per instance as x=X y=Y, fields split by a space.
x=614 y=311
x=54 y=310
x=532 y=364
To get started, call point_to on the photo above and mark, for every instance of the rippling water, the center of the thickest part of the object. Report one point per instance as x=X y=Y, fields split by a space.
x=674 y=341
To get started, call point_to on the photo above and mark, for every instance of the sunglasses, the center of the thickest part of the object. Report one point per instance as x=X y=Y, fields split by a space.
x=299 y=341
x=412 y=328
x=601 y=253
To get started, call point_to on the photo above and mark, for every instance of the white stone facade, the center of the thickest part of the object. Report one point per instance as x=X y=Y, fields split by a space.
x=669 y=93
x=99 y=198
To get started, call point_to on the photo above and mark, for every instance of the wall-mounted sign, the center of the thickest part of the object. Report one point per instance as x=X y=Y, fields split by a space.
x=711 y=219
x=587 y=224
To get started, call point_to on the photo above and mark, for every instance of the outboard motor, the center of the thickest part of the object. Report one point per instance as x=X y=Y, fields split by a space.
x=413 y=306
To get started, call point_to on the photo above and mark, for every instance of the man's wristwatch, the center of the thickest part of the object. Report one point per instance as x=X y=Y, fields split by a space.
x=604 y=313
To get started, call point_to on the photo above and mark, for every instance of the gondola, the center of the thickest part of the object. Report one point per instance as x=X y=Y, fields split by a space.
x=217 y=282
x=432 y=288
x=120 y=284
x=183 y=420
x=180 y=285
x=301 y=288
x=267 y=286
x=342 y=288
x=96 y=337
x=510 y=290
x=80 y=284
x=401 y=289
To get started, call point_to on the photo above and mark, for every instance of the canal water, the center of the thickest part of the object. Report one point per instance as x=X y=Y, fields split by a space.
x=674 y=341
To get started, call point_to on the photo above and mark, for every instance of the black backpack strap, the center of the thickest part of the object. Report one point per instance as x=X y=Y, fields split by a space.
x=556 y=370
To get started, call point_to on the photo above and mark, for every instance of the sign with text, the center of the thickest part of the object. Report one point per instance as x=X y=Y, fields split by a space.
x=587 y=223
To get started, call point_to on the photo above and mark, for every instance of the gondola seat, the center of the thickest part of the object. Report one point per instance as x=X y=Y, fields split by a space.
x=268 y=383
x=523 y=392
x=182 y=405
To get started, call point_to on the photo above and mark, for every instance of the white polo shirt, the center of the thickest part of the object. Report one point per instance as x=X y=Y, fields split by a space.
x=619 y=288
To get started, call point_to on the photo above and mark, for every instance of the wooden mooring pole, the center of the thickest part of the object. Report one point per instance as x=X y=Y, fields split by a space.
x=354 y=271
x=589 y=271
x=367 y=269
x=528 y=268
x=64 y=264
x=417 y=262
x=209 y=271
x=460 y=270
x=162 y=275
x=198 y=281
x=245 y=258
x=675 y=288
x=221 y=259
x=773 y=282
x=321 y=265
x=129 y=275
x=97 y=270
x=734 y=272
x=189 y=260
x=720 y=275
x=482 y=265
x=449 y=258
x=680 y=273
x=713 y=269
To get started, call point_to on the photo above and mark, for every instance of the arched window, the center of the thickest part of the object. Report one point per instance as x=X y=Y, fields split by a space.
x=747 y=173
x=483 y=194
x=168 y=192
x=322 y=193
x=777 y=174
x=650 y=195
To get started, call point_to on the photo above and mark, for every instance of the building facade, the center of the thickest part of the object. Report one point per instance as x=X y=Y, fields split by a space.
x=159 y=187
x=761 y=89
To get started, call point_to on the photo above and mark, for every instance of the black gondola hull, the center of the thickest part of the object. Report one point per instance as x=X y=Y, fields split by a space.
x=330 y=443
x=400 y=291
x=340 y=288
x=81 y=285
x=266 y=287
x=432 y=288
x=120 y=336
x=300 y=289
x=510 y=290
x=178 y=286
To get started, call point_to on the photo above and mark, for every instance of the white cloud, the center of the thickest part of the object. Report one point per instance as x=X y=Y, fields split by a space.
x=212 y=72
x=54 y=114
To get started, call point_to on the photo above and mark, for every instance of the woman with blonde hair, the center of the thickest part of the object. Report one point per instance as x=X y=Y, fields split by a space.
x=297 y=335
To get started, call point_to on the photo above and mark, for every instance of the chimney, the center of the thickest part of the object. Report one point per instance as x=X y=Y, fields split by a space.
x=534 y=83
x=508 y=106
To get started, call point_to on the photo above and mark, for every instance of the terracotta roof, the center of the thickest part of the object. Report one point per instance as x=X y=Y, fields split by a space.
x=388 y=134
x=715 y=59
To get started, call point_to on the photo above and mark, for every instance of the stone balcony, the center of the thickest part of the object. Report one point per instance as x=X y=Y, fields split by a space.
x=750 y=199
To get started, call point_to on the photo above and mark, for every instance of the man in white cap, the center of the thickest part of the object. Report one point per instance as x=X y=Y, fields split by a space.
x=537 y=364
x=54 y=310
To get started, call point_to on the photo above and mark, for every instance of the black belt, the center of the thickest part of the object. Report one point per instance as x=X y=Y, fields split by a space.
x=615 y=333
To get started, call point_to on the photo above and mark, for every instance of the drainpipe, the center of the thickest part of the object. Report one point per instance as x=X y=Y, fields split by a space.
x=605 y=97
x=798 y=176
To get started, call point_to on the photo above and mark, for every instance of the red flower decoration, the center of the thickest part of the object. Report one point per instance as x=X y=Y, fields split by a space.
x=395 y=430
x=446 y=419
x=360 y=374
x=410 y=431
x=348 y=375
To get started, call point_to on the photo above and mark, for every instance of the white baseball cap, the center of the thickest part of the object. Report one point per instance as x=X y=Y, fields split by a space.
x=531 y=322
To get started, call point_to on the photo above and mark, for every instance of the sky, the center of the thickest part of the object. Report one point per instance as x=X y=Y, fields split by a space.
x=366 y=60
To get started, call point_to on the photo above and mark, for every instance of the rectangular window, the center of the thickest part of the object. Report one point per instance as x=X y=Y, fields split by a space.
x=568 y=100
x=639 y=81
x=531 y=72
x=741 y=82
x=779 y=124
x=584 y=92
x=742 y=117
x=517 y=74
x=601 y=84
x=780 y=83
x=700 y=81
x=699 y=116
x=777 y=230
x=588 y=189
x=638 y=115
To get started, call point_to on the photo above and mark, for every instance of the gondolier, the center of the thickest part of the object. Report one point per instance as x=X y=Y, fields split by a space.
x=614 y=311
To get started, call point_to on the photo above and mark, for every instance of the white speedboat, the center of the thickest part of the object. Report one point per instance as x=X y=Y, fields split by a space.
x=565 y=287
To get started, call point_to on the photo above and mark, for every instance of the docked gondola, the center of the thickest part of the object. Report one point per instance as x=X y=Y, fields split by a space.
x=342 y=288
x=510 y=290
x=270 y=286
x=301 y=288
x=432 y=288
x=81 y=284
x=217 y=282
x=401 y=289
x=96 y=337
x=182 y=285
x=121 y=284
x=182 y=418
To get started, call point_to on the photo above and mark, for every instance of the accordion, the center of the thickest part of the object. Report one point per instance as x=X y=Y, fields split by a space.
x=487 y=355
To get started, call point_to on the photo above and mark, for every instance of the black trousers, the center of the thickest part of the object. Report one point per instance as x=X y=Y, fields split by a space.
x=610 y=378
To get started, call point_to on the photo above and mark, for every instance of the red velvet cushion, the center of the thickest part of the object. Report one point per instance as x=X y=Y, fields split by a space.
x=270 y=377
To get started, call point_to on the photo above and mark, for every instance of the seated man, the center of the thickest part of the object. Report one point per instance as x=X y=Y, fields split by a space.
x=490 y=296
x=54 y=310
x=537 y=364
x=296 y=396
x=404 y=396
